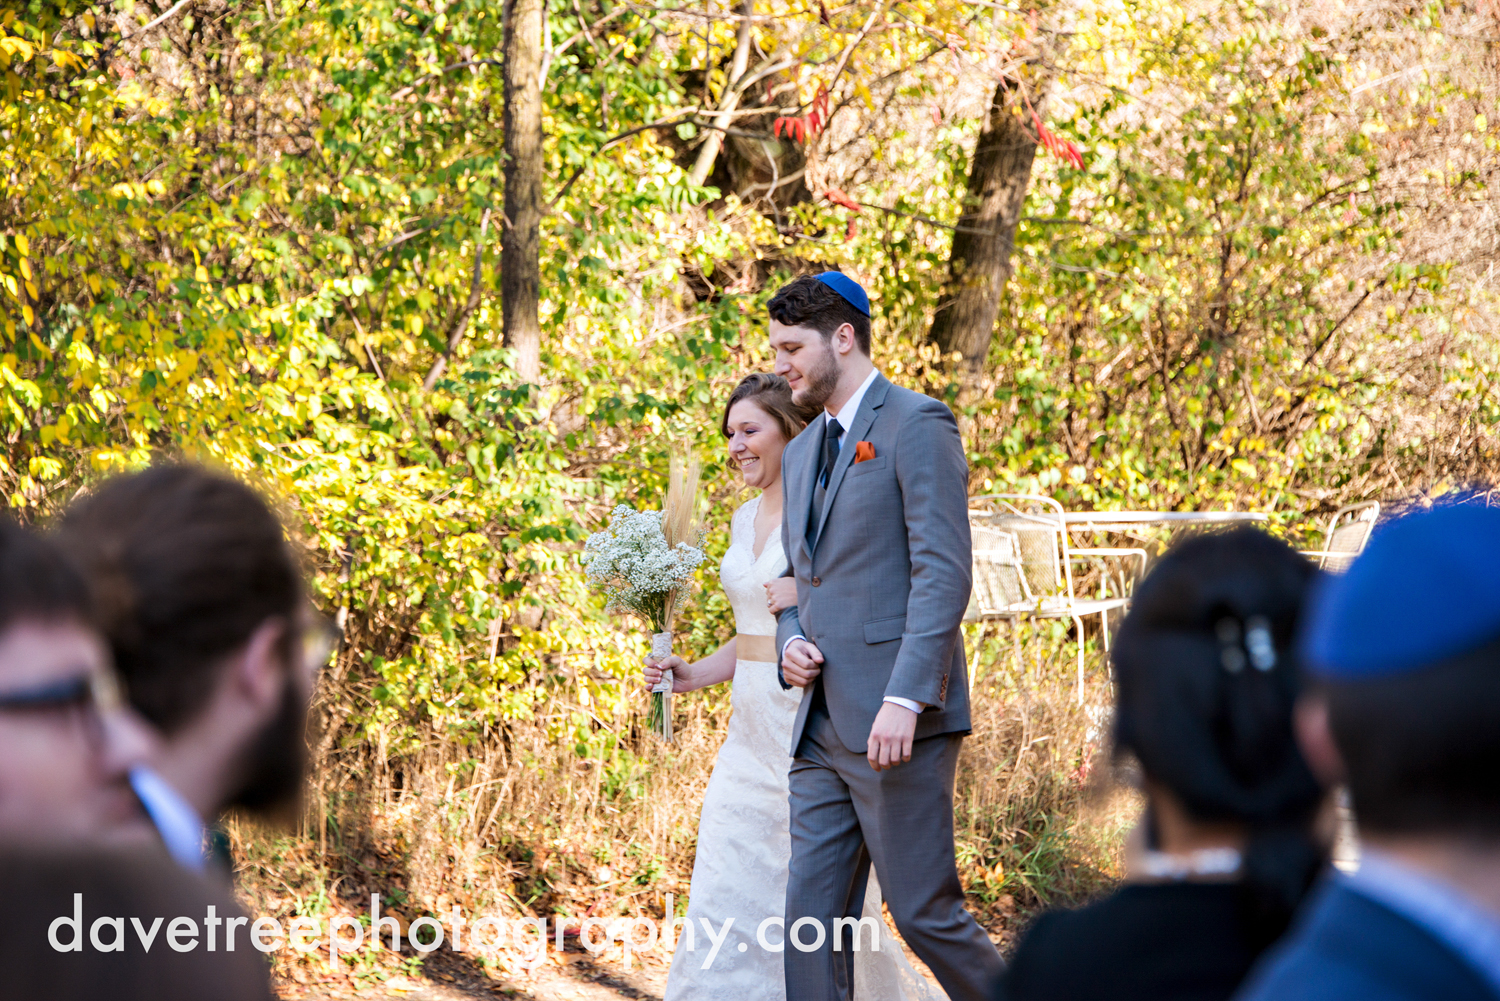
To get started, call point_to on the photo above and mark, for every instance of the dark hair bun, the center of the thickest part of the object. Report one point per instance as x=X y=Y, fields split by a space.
x=1206 y=682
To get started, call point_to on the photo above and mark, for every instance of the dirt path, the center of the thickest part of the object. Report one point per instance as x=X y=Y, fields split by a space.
x=575 y=975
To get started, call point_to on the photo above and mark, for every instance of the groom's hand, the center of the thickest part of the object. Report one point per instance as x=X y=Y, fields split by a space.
x=801 y=663
x=891 y=736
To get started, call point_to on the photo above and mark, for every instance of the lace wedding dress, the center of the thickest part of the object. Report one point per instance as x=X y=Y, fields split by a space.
x=744 y=843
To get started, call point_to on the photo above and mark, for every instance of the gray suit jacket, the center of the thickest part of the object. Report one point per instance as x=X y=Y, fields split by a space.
x=885 y=589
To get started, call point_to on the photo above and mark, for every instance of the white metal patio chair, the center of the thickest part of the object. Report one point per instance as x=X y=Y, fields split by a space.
x=1348 y=531
x=1023 y=566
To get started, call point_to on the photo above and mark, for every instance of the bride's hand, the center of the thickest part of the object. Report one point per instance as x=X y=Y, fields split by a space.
x=680 y=669
x=780 y=593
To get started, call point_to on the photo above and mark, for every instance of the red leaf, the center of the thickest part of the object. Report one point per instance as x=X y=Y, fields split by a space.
x=850 y=232
x=779 y=124
x=1063 y=149
x=937 y=115
x=837 y=197
x=1041 y=130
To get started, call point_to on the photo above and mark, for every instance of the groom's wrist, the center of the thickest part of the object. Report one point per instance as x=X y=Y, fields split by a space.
x=911 y=704
x=789 y=642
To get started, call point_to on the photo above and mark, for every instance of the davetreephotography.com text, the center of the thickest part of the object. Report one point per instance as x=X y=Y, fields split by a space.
x=530 y=937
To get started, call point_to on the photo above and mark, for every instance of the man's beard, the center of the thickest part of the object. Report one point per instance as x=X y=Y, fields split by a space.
x=821 y=382
x=276 y=762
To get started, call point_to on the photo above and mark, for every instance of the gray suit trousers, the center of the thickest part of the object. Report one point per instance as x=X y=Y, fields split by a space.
x=846 y=815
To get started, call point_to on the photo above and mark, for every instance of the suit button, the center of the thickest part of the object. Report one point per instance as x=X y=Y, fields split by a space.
x=817 y=581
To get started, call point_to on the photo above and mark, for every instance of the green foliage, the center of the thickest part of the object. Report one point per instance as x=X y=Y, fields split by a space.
x=262 y=280
x=250 y=239
x=1217 y=259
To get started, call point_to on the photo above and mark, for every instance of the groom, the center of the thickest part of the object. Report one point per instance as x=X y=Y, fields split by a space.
x=877 y=532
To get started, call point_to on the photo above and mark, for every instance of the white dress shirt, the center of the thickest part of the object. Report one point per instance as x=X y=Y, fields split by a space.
x=850 y=409
x=179 y=825
x=845 y=417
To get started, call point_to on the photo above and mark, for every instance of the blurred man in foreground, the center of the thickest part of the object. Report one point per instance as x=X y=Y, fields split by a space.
x=1404 y=651
x=74 y=840
x=83 y=923
x=67 y=741
x=204 y=610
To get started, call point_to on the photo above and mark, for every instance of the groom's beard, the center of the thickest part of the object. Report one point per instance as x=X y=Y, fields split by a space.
x=821 y=382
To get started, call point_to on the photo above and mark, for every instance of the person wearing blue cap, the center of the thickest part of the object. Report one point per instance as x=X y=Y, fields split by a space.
x=1403 y=654
x=876 y=532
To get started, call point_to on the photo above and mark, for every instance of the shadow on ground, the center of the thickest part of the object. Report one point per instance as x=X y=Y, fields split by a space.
x=575 y=975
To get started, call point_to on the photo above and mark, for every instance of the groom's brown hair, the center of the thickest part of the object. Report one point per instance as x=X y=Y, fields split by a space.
x=807 y=302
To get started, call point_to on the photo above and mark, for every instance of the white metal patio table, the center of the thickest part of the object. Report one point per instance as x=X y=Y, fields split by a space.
x=1084 y=520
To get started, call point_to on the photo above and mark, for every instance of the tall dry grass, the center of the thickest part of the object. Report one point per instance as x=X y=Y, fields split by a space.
x=1040 y=817
x=529 y=819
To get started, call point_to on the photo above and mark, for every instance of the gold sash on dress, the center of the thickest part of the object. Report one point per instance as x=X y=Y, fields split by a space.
x=761 y=649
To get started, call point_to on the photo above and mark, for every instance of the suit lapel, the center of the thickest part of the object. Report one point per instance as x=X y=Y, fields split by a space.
x=802 y=503
x=863 y=418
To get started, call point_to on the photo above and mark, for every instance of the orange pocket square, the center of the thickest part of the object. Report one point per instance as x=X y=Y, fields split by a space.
x=863 y=450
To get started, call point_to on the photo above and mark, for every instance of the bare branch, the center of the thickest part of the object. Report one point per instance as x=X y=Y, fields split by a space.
x=461 y=324
x=709 y=151
x=151 y=24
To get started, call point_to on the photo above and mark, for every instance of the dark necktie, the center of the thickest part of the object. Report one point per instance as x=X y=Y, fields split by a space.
x=831 y=436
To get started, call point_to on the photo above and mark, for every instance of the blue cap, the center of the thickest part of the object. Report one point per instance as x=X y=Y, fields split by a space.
x=851 y=290
x=1427 y=589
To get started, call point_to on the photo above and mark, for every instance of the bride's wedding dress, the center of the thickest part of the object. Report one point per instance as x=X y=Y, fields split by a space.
x=743 y=841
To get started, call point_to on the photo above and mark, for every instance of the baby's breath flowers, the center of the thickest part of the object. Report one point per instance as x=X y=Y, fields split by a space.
x=632 y=564
x=644 y=563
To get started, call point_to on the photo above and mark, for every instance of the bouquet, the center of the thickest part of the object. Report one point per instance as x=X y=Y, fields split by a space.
x=644 y=563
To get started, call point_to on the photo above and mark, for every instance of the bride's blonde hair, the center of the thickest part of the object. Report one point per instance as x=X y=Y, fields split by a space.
x=773 y=395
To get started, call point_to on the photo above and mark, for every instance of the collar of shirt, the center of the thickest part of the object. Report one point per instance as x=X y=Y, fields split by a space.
x=850 y=409
x=179 y=825
x=1465 y=926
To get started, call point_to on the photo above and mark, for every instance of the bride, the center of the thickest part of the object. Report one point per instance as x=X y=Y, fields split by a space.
x=744 y=845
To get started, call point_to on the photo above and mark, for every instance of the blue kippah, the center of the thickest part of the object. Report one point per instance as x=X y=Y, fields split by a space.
x=851 y=290
x=1427 y=589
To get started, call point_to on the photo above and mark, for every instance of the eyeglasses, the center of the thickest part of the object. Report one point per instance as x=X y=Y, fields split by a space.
x=320 y=640
x=99 y=687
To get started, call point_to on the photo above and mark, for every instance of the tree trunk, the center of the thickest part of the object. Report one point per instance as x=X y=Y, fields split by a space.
x=979 y=264
x=520 y=242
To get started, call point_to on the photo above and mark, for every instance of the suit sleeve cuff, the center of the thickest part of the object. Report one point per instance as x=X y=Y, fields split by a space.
x=911 y=704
